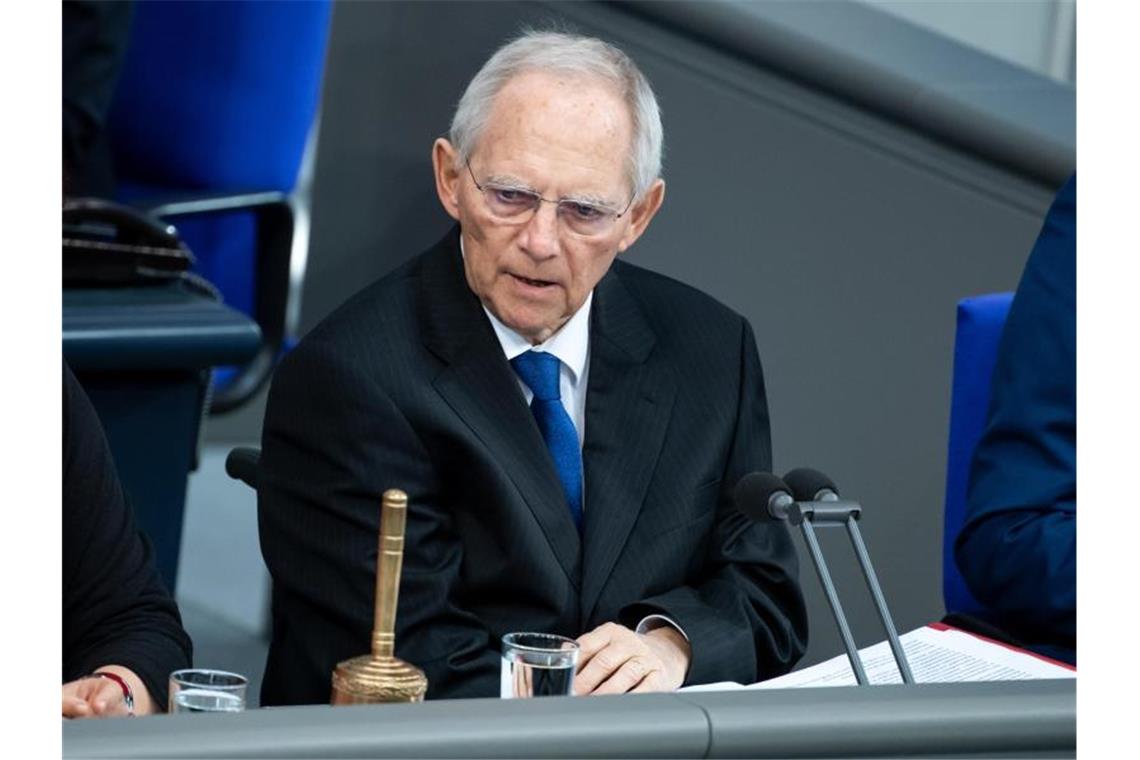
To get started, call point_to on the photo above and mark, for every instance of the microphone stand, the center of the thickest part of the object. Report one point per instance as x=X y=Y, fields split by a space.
x=807 y=514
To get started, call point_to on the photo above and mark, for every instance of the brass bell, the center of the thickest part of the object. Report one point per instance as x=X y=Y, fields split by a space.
x=381 y=676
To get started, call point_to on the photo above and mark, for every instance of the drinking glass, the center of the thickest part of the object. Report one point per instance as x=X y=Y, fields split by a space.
x=537 y=665
x=198 y=690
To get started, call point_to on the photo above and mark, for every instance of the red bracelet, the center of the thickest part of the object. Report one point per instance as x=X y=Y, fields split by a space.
x=128 y=696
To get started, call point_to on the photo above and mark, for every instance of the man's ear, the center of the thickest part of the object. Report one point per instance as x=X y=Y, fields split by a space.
x=447 y=177
x=642 y=213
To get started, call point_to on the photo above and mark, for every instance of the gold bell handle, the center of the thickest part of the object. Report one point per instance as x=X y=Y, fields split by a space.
x=393 y=518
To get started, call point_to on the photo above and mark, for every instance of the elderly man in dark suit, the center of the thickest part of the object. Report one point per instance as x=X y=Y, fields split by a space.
x=569 y=428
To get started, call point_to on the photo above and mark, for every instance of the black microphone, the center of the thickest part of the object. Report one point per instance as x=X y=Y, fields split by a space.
x=817 y=499
x=811 y=485
x=763 y=496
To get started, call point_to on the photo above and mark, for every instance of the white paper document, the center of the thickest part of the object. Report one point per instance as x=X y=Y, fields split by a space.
x=936 y=653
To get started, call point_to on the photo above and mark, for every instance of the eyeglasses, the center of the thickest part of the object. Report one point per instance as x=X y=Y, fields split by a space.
x=516 y=205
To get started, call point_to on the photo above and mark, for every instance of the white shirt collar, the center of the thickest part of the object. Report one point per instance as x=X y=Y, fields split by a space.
x=571 y=343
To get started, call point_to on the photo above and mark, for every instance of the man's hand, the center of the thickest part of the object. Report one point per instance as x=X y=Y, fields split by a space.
x=615 y=660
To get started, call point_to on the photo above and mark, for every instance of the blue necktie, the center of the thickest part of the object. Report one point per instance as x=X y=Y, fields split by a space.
x=540 y=372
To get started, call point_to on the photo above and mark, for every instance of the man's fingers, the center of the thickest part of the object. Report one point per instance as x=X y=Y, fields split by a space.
x=655 y=681
x=597 y=669
x=600 y=667
x=522 y=683
x=632 y=672
x=591 y=643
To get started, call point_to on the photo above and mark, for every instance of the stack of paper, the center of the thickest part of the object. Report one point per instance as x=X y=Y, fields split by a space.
x=936 y=653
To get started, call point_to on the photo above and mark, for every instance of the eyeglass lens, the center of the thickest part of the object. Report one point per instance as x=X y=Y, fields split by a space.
x=514 y=205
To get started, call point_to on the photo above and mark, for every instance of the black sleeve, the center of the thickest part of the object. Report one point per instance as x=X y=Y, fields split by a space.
x=116 y=610
x=1018 y=547
x=745 y=620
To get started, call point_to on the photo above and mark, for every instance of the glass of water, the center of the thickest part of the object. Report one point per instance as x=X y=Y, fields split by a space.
x=198 y=690
x=538 y=665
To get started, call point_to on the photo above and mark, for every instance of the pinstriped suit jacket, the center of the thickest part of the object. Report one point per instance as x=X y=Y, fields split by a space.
x=405 y=386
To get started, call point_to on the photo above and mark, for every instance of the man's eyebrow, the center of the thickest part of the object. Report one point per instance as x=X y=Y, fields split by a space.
x=506 y=180
x=589 y=199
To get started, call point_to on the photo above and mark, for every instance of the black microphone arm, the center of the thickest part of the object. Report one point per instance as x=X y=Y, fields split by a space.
x=764 y=496
x=817 y=502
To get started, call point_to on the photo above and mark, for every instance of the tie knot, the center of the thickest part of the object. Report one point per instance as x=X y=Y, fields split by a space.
x=540 y=372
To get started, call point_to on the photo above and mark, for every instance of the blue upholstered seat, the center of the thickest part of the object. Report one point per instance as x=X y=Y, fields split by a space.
x=980 y=323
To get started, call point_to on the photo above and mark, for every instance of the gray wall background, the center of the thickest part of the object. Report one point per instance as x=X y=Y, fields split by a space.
x=844 y=236
x=1038 y=34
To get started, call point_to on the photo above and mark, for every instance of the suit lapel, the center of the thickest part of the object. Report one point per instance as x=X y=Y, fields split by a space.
x=628 y=404
x=480 y=386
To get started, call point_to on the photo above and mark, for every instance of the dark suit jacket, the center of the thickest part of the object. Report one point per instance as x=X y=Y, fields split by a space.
x=406 y=386
x=1018 y=548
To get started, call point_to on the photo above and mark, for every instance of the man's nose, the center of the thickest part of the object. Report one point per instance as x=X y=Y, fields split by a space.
x=540 y=234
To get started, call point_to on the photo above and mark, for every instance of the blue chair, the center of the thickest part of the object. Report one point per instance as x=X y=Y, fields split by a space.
x=980 y=323
x=212 y=128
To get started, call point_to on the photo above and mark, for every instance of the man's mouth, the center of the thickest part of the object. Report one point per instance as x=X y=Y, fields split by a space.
x=533 y=283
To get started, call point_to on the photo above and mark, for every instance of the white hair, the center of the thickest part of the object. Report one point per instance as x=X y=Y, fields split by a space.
x=572 y=54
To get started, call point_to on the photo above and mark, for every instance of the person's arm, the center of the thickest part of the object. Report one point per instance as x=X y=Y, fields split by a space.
x=333 y=443
x=117 y=615
x=1017 y=550
x=745 y=619
x=99 y=696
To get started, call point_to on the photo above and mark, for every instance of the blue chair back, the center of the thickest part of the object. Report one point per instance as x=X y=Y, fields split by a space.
x=218 y=95
x=215 y=99
x=980 y=323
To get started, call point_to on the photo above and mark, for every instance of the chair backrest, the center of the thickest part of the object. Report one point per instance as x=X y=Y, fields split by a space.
x=219 y=96
x=219 y=99
x=980 y=323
